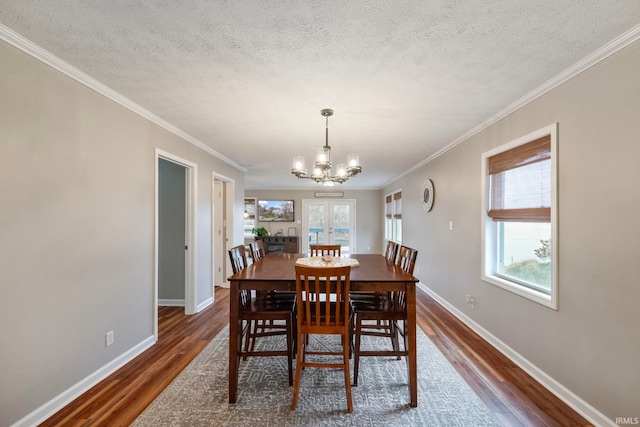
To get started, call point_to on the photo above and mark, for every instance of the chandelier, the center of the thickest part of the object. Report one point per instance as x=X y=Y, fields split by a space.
x=322 y=167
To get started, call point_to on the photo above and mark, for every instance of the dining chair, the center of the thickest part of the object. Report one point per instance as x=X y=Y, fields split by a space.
x=260 y=327
x=322 y=250
x=265 y=311
x=391 y=251
x=385 y=327
x=256 y=250
x=323 y=308
x=379 y=317
x=238 y=257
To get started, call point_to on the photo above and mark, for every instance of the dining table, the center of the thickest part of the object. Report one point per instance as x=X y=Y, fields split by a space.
x=276 y=271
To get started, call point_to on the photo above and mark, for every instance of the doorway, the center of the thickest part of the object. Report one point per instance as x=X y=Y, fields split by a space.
x=172 y=233
x=222 y=229
x=329 y=222
x=185 y=173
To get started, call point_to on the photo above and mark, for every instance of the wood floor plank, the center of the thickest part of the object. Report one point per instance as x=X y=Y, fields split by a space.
x=513 y=396
x=121 y=397
x=527 y=402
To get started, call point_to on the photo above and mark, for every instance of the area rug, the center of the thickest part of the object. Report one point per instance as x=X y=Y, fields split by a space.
x=199 y=395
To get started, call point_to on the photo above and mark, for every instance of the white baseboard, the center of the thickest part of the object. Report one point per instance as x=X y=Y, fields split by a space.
x=594 y=416
x=54 y=405
x=171 y=303
x=206 y=303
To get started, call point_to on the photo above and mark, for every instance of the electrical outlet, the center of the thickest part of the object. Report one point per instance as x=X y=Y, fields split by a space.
x=109 y=338
x=471 y=301
x=450 y=225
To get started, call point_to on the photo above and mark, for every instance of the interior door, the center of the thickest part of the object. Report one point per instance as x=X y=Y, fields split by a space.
x=329 y=222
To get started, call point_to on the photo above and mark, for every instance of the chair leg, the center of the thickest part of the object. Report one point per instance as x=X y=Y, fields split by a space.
x=294 y=328
x=304 y=349
x=290 y=349
x=247 y=338
x=393 y=328
x=300 y=361
x=347 y=376
x=405 y=339
x=356 y=352
x=257 y=325
x=352 y=329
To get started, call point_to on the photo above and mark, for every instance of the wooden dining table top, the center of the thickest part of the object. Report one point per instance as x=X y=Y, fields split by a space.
x=372 y=268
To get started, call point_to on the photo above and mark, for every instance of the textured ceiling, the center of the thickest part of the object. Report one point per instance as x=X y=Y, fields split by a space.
x=249 y=78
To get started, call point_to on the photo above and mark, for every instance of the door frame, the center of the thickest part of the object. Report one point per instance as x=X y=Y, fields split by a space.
x=304 y=230
x=219 y=258
x=190 y=231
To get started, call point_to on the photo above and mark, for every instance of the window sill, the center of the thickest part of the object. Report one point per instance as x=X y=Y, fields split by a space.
x=525 y=292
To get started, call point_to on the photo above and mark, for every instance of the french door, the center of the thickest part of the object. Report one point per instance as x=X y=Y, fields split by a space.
x=329 y=222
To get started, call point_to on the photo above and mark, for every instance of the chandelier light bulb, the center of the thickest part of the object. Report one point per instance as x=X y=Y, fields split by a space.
x=298 y=163
x=322 y=158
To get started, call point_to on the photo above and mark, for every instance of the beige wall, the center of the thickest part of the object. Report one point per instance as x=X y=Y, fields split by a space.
x=77 y=230
x=590 y=345
x=77 y=223
x=369 y=211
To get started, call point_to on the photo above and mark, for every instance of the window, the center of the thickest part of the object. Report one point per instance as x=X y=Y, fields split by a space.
x=393 y=217
x=519 y=216
x=249 y=215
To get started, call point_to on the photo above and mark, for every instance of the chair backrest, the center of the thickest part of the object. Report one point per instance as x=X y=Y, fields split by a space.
x=407 y=259
x=323 y=299
x=256 y=250
x=238 y=257
x=321 y=250
x=391 y=252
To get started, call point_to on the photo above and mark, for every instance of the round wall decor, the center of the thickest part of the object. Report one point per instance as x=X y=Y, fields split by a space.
x=427 y=195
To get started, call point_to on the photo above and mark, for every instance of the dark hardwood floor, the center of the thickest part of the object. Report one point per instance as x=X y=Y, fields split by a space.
x=514 y=397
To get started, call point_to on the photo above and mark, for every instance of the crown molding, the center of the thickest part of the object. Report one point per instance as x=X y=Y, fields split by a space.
x=46 y=57
x=619 y=43
x=53 y=61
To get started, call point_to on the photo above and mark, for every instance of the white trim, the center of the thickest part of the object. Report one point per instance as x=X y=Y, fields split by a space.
x=63 y=399
x=32 y=49
x=345 y=186
x=204 y=304
x=229 y=207
x=171 y=302
x=617 y=44
x=488 y=249
x=255 y=216
x=333 y=195
x=392 y=234
x=192 y=223
x=567 y=396
x=328 y=204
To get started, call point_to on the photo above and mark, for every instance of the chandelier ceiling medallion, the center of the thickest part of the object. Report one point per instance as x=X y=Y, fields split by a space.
x=322 y=167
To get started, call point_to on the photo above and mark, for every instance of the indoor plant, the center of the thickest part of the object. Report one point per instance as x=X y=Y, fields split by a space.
x=260 y=231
